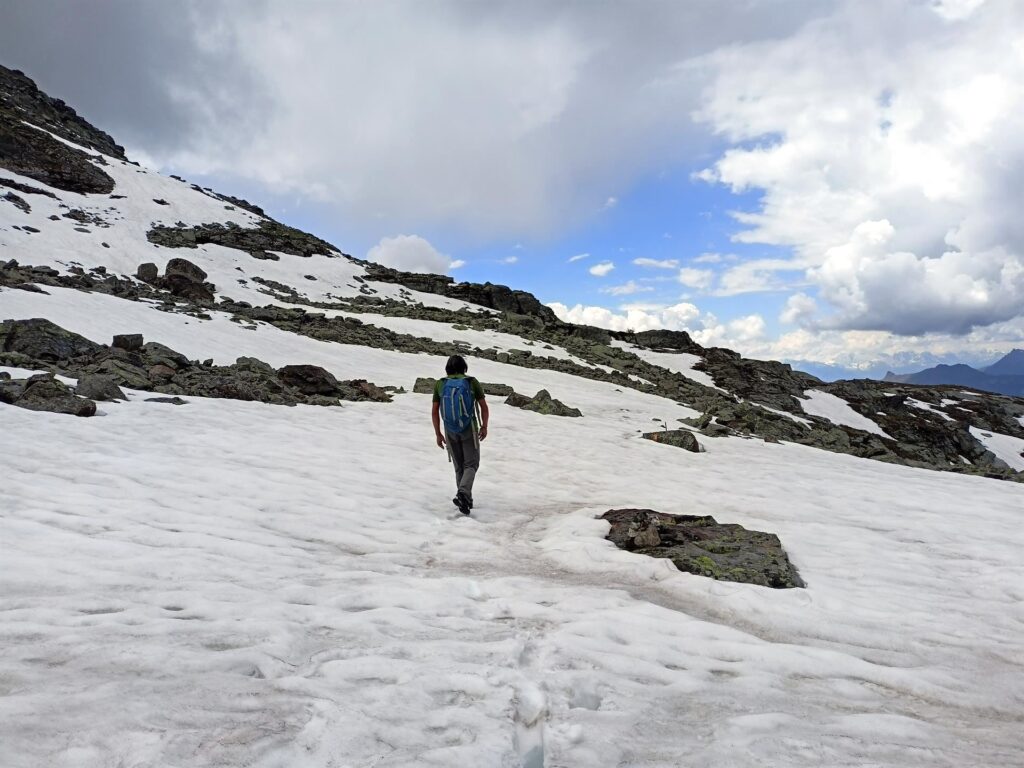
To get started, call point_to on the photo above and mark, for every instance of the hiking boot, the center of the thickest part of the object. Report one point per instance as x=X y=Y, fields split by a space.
x=462 y=502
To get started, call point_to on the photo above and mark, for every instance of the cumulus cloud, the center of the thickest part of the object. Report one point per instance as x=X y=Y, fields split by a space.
x=490 y=118
x=889 y=166
x=627 y=289
x=602 y=269
x=657 y=263
x=411 y=253
x=696 y=278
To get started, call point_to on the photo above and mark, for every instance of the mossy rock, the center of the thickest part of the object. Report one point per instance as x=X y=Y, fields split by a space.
x=700 y=545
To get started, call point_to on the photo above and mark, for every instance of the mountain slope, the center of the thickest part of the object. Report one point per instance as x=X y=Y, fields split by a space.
x=1011 y=364
x=997 y=378
x=233 y=582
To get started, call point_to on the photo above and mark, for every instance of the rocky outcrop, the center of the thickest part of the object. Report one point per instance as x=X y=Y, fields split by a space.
x=30 y=152
x=19 y=95
x=43 y=392
x=257 y=241
x=680 y=438
x=43 y=341
x=698 y=544
x=154 y=367
x=543 y=403
x=499 y=297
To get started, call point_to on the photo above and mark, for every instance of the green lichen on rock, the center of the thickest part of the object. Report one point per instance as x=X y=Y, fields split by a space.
x=700 y=545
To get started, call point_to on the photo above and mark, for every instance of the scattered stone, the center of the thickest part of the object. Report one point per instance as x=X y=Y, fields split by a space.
x=42 y=392
x=542 y=402
x=184 y=268
x=148 y=273
x=17 y=202
x=517 y=400
x=42 y=340
x=309 y=379
x=680 y=438
x=96 y=386
x=160 y=201
x=698 y=544
x=168 y=400
x=128 y=341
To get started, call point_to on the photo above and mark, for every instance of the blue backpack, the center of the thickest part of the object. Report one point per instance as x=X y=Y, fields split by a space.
x=457 y=405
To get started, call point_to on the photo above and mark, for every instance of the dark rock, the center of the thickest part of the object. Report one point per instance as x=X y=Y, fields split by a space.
x=700 y=545
x=128 y=341
x=497 y=390
x=29 y=152
x=42 y=392
x=360 y=389
x=160 y=201
x=21 y=99
x=17 y=202
x=96 y=386
x=160 y=373
x=517 y=400
x=267 y=236
x=188 y=289
x=309 y=379
x=424 y=386
x=542 y=402
x=42 y=340
x=680 y=438
x=186 y=269
x=168 y=400
x=148 y=273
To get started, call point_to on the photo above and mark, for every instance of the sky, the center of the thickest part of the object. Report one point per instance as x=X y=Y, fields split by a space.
x=826 y=182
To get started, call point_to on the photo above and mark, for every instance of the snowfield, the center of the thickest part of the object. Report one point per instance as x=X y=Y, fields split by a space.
x=238 y=584
x=227 y=583
x=838 y=411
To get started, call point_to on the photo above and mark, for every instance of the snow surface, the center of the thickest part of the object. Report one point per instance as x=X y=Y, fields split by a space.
x=787 y=414
x=228 y=583
x=923 y=406
x=1006 y=447
x=237 y=583
x=838 y=411
x=677 y=362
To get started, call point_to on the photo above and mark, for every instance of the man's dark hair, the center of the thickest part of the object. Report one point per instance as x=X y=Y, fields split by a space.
x=456 y=364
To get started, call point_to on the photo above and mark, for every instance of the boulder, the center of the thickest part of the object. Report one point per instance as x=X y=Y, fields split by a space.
x=43 y=392
x=361 y=389
x=128 y=341
x=309 y=379
x=424 y=386
x=184 y=268
x=542 y=402
x=700 y=545
x=42 y=340
x=96 y=386
x=517 y=400
x=148 y=273
x=680 y=438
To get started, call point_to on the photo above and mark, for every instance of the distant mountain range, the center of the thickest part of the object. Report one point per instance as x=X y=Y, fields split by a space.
x=1005 y=376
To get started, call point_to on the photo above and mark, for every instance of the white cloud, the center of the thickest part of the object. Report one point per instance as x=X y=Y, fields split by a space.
x=510 y=260
x=696 y=278
x=602 y=269
x=708 y=258
x=578 y=257
x=800 y=308
x=657 y=263
x=411 y=253
x=891 y=165
x=626 y=289
x=611 y=202
x=488 y=118
x=457 y=263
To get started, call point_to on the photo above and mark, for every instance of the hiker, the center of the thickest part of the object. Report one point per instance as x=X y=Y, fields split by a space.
x=457 y=400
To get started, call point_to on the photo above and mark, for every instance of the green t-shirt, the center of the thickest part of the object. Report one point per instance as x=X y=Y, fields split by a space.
x=474 y=385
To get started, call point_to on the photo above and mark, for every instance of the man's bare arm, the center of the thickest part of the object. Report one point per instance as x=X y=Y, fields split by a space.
x=435 y=416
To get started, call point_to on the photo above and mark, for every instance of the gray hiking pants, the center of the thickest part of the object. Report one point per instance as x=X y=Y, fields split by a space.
x=465 y=453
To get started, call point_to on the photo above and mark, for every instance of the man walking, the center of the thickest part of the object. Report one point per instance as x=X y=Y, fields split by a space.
x=457 y=400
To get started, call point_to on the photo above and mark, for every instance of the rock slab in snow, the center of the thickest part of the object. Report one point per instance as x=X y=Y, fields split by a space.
x=700 y=545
